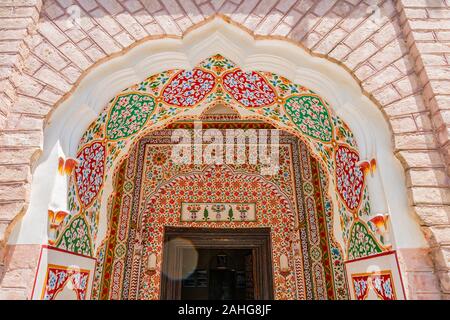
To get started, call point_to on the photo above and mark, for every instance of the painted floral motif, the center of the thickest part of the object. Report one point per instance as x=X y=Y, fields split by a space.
x=283 y=86
x=217 y=184
x=343 y=134
x=362 y=242
x=89 y=173
x=249 y=88
x=304 y=114
x=349 y=177
x=76 y=237
x=218 y=64
x=188 y=88
x=360 y=287
x=215 y=212
x=310 y=116
x=331 y=257
x=95 y=130
x=91 y=216
x=59 y=276
x=147 y=173
x=54 y=222
x=381 y=283
x=383 y=286
x=129 y=113
x=154 y=83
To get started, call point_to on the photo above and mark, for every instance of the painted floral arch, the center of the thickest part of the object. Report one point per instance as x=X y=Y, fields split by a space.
x=136 y=231
x=182 y=94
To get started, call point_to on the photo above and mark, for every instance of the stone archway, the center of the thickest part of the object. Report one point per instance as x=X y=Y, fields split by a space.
x=68 y=147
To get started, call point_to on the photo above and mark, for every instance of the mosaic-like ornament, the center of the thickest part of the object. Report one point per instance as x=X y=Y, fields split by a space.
x=90 y=171
x=381 y=283
x=249 y=88
x=128 y=115
x=188 y=88
x=349 y=177
x=216 y=79
x=59 y=276
x=166 y=211
x=76 y=237
x=310 y=115
x=362 y=242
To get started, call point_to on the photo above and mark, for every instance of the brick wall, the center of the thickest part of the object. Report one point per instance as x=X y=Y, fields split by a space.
x=426 y=28
x=399 y=51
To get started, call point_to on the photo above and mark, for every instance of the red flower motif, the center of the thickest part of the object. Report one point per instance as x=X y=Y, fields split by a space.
x=349 y=177
x=249 y=88
x=188 y=88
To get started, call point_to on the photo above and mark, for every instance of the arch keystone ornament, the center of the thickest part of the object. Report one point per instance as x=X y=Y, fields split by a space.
x=249 y=88
x=192 y=77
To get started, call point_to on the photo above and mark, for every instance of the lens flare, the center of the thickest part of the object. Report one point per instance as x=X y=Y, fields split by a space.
x=189 y=258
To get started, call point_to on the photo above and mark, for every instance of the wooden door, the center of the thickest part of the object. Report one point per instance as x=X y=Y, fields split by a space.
x=250 y=248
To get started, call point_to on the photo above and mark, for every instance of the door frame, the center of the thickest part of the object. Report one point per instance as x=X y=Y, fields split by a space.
x=256 y=239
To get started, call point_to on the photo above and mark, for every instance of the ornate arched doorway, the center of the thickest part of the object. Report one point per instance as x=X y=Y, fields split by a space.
x=152 y=193
x=348 y=187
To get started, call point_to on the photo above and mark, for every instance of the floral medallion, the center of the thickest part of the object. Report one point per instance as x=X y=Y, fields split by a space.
x=249 y=88
x=90 y=172
x=349 y=177
x=310 y=116
x=188 y=88
x=362 y=243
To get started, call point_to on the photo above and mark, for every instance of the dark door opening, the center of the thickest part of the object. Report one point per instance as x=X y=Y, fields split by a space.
x=220 y=275
x=217 y=264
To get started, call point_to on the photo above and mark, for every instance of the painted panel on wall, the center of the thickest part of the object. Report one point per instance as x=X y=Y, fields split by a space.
x=204 y=212
x=375 y=278
x=62 y=275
